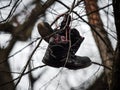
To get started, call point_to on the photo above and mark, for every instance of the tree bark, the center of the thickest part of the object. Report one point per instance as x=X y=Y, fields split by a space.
x=104 y=47
x=116 y=64
x=5 y=75
x=99 y=84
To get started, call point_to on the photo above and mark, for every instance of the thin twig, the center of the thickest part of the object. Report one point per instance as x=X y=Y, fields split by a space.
x=88 y=24
x=97 y=10
x=23 y=48
x=69 y=48
x=6 y=5
x=25 y=67
x=72 y=7
x=47 y=83
x=19 y=50
x=12 y=10
x=94 y=30
x=101 y=65
x=27 y=71
x=19 y=76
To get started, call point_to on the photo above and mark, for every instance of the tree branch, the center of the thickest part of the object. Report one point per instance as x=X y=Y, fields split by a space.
x=102 y=65
x=20 y=77
x=19 y=73
x=6 y=5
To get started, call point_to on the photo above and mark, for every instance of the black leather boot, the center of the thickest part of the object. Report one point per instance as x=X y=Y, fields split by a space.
x=56 y=56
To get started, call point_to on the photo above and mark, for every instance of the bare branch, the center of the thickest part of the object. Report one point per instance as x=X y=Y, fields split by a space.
x=88 y=24
x=6 y=5
x=25 y=67
x=102 y=65
x=12 y=10
x=41 y=66
x=97 y=10
x=19 y=50
x=19 y=73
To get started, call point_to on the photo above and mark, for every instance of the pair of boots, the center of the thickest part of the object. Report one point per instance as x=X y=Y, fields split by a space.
x=58 y=54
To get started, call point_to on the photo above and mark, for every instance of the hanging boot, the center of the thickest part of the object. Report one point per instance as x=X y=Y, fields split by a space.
x=56 y=56
x=44 y=30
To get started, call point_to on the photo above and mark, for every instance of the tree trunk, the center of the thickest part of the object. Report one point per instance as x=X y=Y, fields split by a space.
x=5 y=71
x=99 y=84
x=104 y=44
x=116 y=64
x=5 y=75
